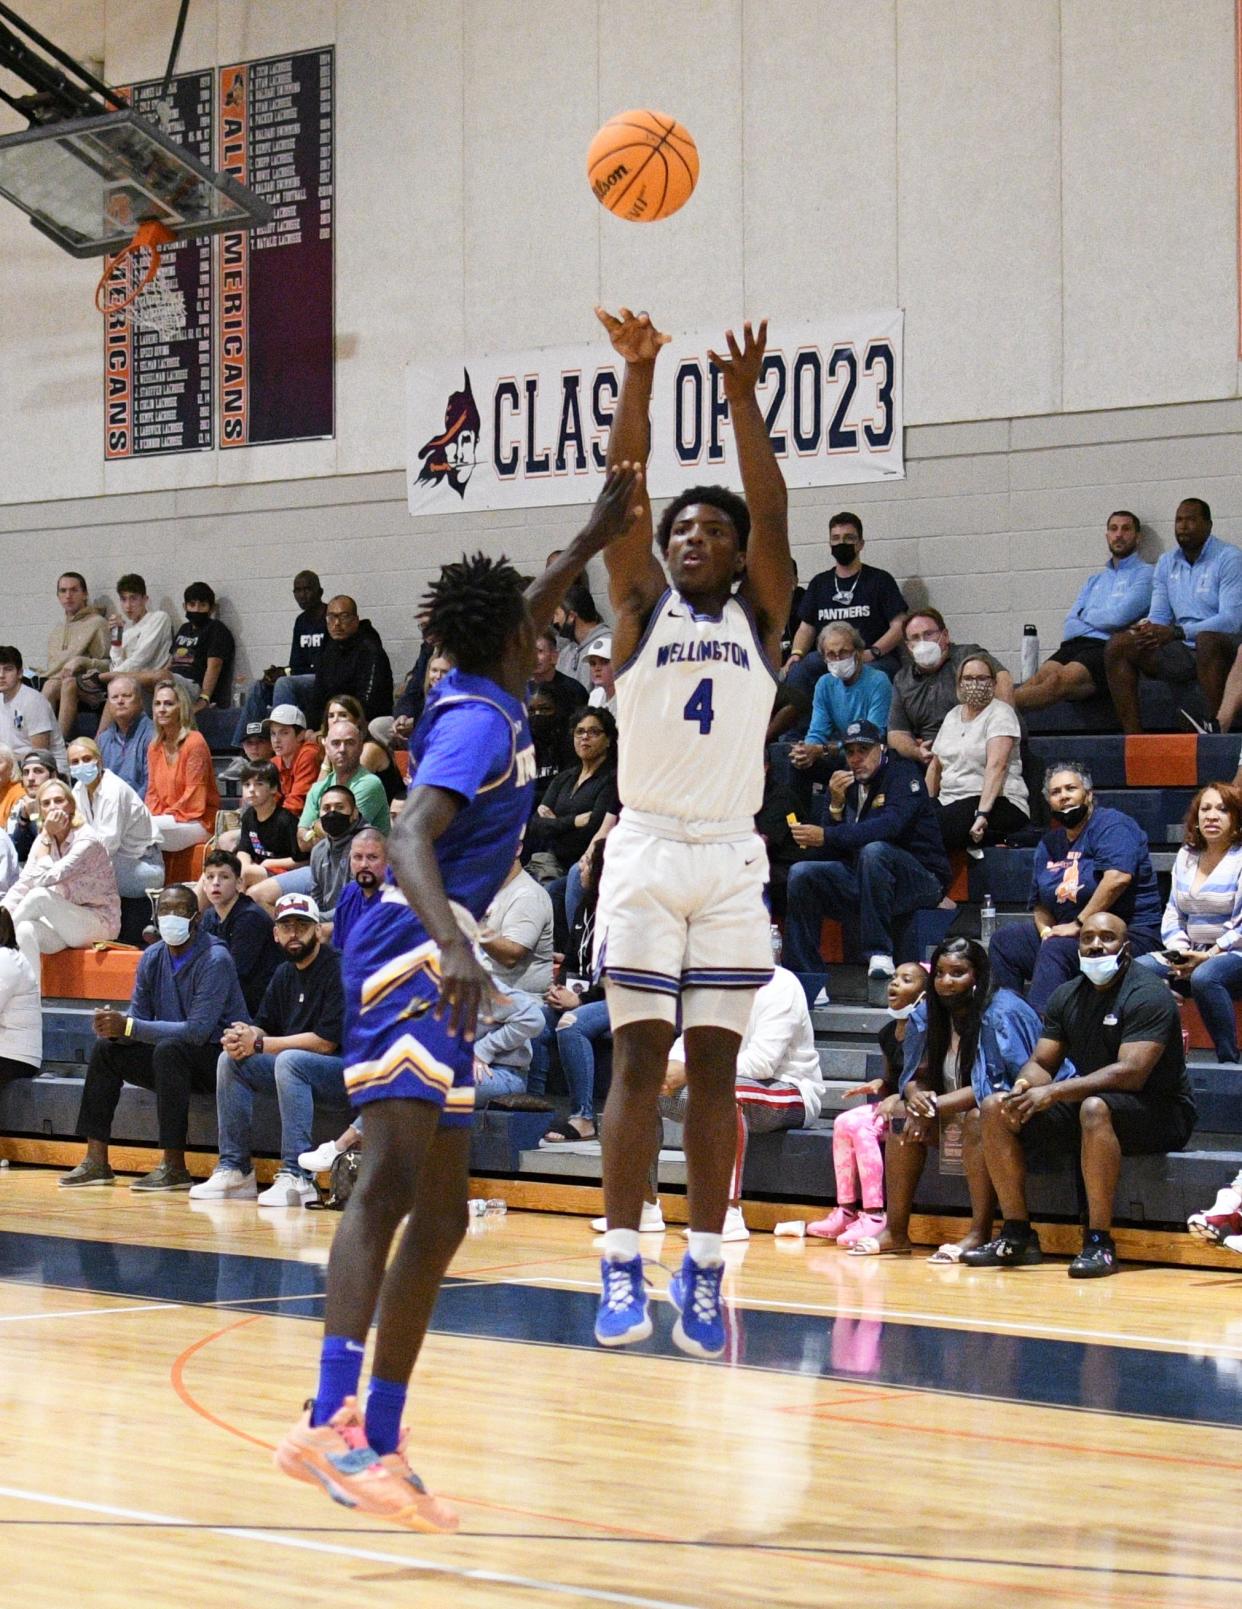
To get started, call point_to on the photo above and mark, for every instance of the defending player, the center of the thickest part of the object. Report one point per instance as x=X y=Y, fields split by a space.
x=681 y=913
x=413 y=991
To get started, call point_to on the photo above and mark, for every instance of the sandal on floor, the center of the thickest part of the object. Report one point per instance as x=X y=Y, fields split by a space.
x=948 y=1254
x=563 y=1132
x=869 y=1246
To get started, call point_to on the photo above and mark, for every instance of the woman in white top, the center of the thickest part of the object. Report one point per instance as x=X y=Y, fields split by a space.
x=976 y=767
x=21 y=1010
x=125 y=826
x=65 y=898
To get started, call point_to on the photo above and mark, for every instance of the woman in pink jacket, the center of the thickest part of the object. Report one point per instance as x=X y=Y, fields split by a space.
x=66 y=897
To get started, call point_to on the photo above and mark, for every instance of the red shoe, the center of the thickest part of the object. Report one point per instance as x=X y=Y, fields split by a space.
x=1222 y=1221
x=336 y=1457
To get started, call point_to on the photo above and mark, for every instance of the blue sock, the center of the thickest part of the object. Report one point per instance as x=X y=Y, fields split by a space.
x=340 y=1365
x=385 y=1405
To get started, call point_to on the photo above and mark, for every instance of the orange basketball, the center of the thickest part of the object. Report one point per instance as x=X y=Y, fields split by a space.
x=642 y=166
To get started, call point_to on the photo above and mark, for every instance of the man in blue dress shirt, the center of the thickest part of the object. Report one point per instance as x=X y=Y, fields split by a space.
x=1110 y=600
x=1192 y=628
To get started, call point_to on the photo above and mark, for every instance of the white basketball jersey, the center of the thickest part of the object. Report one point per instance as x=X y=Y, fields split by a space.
x=693 y=704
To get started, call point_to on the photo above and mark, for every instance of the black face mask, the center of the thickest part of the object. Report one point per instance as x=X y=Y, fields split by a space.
x=565 y=631
x=1070 y=817
x=335 y=823
x=843 y=552
x=542 y=727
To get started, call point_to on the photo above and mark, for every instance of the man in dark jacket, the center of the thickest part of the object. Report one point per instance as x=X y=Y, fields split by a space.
x=878 y=857
x=185 y=995
x=351 y=661
x=244 y=928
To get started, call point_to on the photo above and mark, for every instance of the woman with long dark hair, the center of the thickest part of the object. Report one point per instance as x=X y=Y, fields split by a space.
x=965 y=1040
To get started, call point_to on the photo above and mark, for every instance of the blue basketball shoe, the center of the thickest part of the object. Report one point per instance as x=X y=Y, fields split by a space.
x=623 y=1317
x=695 y=1292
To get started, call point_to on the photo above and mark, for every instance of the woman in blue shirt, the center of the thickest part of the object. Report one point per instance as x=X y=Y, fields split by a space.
x=1092 y=859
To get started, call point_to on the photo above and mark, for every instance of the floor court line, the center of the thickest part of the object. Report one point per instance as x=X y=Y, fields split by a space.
x=90 y=1312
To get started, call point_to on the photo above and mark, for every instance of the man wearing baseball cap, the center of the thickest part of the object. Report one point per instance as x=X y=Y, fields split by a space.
x=256 y=746
x=292 y=1047
x=877 y=858
x=598 y=657
x=297 y=759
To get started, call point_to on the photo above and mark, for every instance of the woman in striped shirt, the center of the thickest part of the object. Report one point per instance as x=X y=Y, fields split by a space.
x=1202 y=927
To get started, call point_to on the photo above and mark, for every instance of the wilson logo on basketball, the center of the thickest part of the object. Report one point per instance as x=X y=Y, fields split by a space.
x=603 y=186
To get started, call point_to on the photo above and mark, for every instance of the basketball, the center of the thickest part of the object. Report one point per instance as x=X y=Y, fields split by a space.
x=643 y=166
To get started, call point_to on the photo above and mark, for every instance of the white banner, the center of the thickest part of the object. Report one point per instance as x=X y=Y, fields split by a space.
x=527 y=429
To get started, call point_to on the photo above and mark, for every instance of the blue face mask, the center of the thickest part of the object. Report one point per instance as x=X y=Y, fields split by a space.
x=1099 y=968
x=86 y=772
x=174 y=929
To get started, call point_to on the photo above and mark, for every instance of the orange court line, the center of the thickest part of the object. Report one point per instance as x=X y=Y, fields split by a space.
x=176 y=1377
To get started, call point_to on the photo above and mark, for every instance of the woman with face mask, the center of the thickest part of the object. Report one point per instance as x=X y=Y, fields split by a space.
x=66 y=897
x=122 y=822
x=976 y=766
x=1201 y=932
x=1091 y=859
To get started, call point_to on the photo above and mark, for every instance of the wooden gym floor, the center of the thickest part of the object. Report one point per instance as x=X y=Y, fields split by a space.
x=880 y=1432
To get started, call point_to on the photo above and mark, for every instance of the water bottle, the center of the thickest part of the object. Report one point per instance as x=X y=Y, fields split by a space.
x=987 y=921
x=774 y=936
x=1030 y=652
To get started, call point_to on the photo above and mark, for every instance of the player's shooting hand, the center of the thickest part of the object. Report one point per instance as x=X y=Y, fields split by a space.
x=618 y=505
x=740 y=370
x=465 y=989
x=634 y=337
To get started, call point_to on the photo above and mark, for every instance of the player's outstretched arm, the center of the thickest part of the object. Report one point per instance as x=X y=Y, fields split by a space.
x=635 y=579
x=768 y=586
x=620 y=505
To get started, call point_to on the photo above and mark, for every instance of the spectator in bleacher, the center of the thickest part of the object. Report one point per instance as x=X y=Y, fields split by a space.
x=185 y=995
x=925 y=687
x=343 y=758
x=516 y=933
x=576 y=1014
x=598 y=656
x=66 y=896
x=795 y=615
x=352 y=661
x=293 y=1047
x=10 y=865
x=549 y=732
x=1092 y=858
x=503 y=1048
x=21 y=1009
x=78 y=643
x=851 y=691
x=295 y=755
x=119 y=817
x=376 y=756
x=291 y=683
x=27 y=723
x=964 y=1041
x=856 y=593
x=340 y=822
x=23 y=823
x=879 y=857
x=564 y=691
x=1106 y=1079
x=203 y=651
x=774 y=823
x=243 y=927
x=368 y=864
x=577 y=622
x=428 y=669
x=1191 y=630
x=124 y=742
x=142 y=653
x=266 y=839
x=1109 y=601
x=181 y=788
x=1202 y=925
x=857 y=1154
x=12 y=789
x=578 y=798
x=975 y=775
x=256 y=746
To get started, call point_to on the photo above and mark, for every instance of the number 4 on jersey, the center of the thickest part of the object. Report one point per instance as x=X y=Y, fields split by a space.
x=699 y=707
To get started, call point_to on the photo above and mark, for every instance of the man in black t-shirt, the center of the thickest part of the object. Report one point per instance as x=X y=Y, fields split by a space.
x=1128 y=1096
x=292 y=1047
x=203 y=650
x=855 y=593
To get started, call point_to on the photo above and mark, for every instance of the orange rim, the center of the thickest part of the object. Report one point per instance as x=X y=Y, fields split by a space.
x=149 y=236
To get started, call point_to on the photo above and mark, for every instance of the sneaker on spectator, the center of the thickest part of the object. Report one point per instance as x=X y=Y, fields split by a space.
x=1009 y=1250
x=650 y=1223
x=867 y=1223
x=321 y=1158
x=1221 y=1220
x=695 y=1292
x=881 y=966
x=288 y=1189
x=834 y=1225
x=87 y=1173
x=1097 y=1257
x=734 y=1225
x=623 y=1316
x=224 y=1184
x=164 y=1178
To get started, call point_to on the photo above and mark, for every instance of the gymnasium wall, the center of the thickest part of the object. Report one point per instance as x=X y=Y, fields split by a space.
x=1047 y=187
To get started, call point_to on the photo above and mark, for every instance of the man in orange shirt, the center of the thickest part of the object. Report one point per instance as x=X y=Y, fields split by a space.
x=297 y=761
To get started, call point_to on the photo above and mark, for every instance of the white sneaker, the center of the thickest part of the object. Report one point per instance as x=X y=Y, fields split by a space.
x=288 y=1190
x=224 y=1184
x=734 y=1225
x=650 y=1223
x=320 y=1159
x=880 y=966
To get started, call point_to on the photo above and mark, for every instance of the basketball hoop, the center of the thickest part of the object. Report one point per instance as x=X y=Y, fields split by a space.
x=153 y=300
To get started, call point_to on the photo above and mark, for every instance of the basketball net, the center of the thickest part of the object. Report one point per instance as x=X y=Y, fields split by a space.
x=152 y=299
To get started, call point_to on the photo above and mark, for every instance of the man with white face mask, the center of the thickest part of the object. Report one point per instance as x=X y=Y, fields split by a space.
x=185 y=995
x=1119 y=1026
x=851 y=691
x=925 y=688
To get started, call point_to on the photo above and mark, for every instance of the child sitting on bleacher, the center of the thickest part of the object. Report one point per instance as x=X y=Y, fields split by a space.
x=857 y=1158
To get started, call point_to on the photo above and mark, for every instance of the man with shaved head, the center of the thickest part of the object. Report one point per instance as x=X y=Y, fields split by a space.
x=352 y=661
x=1119 y=1026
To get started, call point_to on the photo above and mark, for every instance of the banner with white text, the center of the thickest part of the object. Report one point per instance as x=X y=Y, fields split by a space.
x=528 y=429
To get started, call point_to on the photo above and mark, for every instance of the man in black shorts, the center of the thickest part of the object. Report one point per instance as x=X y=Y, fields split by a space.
x=1112 y=599
x=1119 y=1025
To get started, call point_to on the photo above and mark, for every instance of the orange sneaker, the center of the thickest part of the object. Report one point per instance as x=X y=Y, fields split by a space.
x=427 y=1513
x=336 y=1457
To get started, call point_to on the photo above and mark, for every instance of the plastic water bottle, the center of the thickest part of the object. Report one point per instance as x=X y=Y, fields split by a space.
x=774 y=935
x=987 y=921
x=1030 y=652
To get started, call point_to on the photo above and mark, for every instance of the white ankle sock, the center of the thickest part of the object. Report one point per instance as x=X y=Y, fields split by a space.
x=705 y=1248
x=621 y=1245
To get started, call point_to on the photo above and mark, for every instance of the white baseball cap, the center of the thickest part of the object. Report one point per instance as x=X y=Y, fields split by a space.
x=286 y=715
x=601 y=648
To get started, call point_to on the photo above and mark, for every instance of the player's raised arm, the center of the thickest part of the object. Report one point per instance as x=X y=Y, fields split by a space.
x=768 y=586
x=635 y=579
x=620 y=506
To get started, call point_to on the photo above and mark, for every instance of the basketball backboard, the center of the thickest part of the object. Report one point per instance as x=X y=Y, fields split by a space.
x=88 y=183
